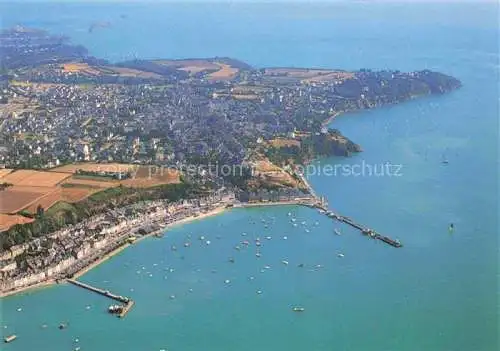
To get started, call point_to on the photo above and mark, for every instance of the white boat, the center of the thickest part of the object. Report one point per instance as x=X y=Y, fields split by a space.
x=298 y=309
x=340 y=255
x=337 y=231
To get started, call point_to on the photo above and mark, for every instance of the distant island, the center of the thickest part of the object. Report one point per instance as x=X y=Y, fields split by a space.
x=80 y=136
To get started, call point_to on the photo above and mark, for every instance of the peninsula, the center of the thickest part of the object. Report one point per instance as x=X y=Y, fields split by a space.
x=95 y=155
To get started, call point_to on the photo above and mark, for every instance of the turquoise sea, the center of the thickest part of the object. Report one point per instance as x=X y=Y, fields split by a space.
x=438 y=293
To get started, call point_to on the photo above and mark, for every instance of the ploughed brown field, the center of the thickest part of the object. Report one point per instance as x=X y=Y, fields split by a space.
x=282 y=142
x=75 y=194
x=142 y=176
x=130 y=72
x=36 y=188
x=81 y=68
x=191 y=66
x=46 y=202
x=26 y=177
x=88 y=70
x=95 y=167
x=225 y=72
x=146 y=176
x=72 y=194
x=4 y=172
x=7 y=221
x=90 y=183
x=219 y=70
x=16 y=198
x=264 y=165
x=270 y=174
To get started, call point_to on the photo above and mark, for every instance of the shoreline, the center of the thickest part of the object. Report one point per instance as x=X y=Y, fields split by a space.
x=97 y=262
x=330 y=119
x=112 y=253
x=29 y=288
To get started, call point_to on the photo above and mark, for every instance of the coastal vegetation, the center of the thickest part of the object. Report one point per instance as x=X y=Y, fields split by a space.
x=306 y=146
x=64 y=213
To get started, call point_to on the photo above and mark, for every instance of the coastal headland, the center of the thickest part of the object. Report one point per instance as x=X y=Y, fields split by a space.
x=98 y=155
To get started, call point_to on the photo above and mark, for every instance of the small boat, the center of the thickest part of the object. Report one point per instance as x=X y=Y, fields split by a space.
x=62 y=326
x=451 y=227
x=115 y=309
x=444 y=160
x=10 y=338
x=340 y=255
x=298 y=309
x=337 y=231
x=284 y=262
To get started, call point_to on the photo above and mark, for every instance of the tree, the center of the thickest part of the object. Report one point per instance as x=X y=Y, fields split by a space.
x=40 y=211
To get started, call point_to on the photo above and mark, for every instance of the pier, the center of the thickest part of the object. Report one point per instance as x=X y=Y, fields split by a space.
x=128 y=303
x=321 y=204
x=364 y=230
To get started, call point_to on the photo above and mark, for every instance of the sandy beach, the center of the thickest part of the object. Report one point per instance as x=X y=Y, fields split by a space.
x=330 y=119
x=37 y=286
x=114 y=252
x=213 y=212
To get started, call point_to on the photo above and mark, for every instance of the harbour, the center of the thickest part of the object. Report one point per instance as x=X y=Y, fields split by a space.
x=122 y=312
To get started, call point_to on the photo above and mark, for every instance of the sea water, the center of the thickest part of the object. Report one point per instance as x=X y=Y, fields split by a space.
x=438 y=292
